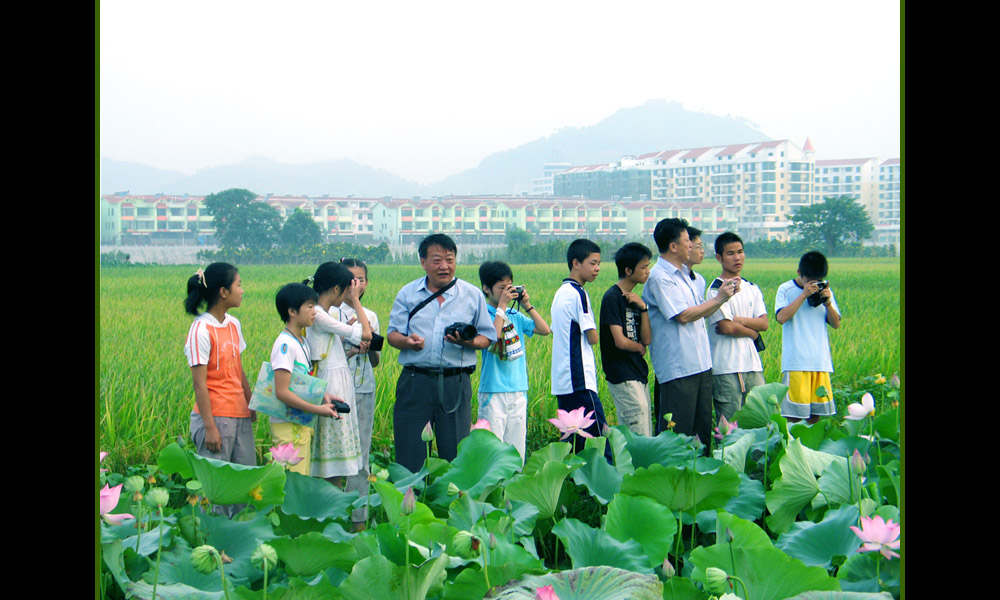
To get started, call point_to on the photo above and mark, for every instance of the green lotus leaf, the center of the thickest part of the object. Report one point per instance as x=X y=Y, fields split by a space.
x=556 y=451
x=587 y=583
x=666 y=449
x=238 y=539
x=767 y=572
x=757 y=411
x=465 y=511
x=112 y=554
x=858 y=572
x=315 y=498
x=312 y=553
x=887 y=425
x=798 y=485
x=734 y=453
x=150 y=540
x=644 y=520
x=506 y=562
x=682 y=588
x=602 y=479
x=837 y=484
x=589 y=547
x=173 y=591
x=748 y=503
x=377 y=578
x=542 y=489
x=888 y=479
x=815 y=544
x=224 y=482
x=619 y=449
x=842 y=596
x=681 y=489
x=294 y=588
x=392 y=500
x=746 y=533
x=483 y=460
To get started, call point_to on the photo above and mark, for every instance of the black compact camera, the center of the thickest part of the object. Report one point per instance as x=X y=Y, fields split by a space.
x=376 y=343
x=518 y=292
x=342 y=407
x=815 y=300
x=465 y=331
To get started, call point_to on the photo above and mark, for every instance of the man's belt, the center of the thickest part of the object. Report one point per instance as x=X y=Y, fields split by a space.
x=449 y=372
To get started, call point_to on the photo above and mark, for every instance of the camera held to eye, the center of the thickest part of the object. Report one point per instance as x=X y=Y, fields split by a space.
x=465 y=331
x=816 y=299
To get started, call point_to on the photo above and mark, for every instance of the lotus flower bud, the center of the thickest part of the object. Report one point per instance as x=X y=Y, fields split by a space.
x=715 y=580
x=409 y=502
x=264 y=557
x=668 y=569
x=134 y=484
x=466 y=544
x=546 y=593
x=857 y=462
x=157 y=497
x=427 y=434
x=729 y=535
x=894 y=382
x=203 y=558
x=493 y=540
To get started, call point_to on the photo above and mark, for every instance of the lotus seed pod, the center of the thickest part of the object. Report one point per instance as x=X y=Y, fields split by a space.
x=715 y=580
x=203 y=558
x=264 y=554
x=157 y=497
x=452 y=489
x=134 y=484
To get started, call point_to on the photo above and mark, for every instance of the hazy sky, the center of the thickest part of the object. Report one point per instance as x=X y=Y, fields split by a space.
x=429 y=88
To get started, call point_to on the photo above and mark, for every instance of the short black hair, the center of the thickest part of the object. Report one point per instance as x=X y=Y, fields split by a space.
x=667 y=231
x=724 y=240
x=436 y=239
x=630 y=255
x=579 y=250
x=813 y=265
x=693 y=232
x=293 y=296
x=355 y=262
x=493 y=271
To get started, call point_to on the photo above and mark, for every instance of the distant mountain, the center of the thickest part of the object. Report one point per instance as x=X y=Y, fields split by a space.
x=656 y=125
x=264 y=175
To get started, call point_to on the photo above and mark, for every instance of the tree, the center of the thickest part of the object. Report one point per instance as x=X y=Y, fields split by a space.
x=300 y=230
x=832 y=222
x=242 y=221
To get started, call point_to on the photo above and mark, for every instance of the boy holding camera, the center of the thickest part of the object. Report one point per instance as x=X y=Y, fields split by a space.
x=805 y=305
x=503 y=382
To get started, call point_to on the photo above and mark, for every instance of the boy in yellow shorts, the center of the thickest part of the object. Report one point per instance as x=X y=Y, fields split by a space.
x=805 y=306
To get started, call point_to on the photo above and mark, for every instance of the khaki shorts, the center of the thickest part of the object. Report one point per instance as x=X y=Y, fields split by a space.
x=632 y=405
x=300 y=437
x=729 y=391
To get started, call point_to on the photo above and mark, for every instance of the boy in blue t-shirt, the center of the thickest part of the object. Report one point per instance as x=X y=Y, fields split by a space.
x=503 y=382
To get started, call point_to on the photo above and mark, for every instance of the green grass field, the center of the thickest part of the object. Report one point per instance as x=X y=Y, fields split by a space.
x=145 y=385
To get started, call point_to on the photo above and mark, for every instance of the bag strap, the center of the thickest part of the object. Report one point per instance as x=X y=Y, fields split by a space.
x=427 y=300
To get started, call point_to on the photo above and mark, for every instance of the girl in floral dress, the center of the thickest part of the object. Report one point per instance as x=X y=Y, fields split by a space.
x=336 y=447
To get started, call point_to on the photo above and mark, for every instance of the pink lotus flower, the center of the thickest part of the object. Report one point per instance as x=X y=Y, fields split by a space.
x=546 y=593
x=572 y=422
x=856 y=411
x=109 y=500
x=482 y=424
x=286 y=455
x=879 y=535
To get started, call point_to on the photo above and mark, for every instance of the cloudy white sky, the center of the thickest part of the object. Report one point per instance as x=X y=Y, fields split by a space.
x=429 y=88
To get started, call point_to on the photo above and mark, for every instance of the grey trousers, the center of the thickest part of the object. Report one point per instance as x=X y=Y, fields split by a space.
x=237 y=447
x=364 y=404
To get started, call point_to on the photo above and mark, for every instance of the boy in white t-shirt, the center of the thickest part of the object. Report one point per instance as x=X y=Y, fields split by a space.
x=296 y=304
x=732 y=331
x=574 y=332
x=805 y=306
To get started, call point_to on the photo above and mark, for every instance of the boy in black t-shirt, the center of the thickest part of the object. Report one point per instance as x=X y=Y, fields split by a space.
x=625 y=333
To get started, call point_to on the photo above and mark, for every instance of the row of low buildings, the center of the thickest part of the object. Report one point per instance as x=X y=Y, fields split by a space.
x=749 y=188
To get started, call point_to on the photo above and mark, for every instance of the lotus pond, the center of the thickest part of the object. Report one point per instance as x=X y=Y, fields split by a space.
x=776 y=511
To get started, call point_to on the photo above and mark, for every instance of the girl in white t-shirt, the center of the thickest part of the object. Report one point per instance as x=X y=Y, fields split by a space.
x=336 y=447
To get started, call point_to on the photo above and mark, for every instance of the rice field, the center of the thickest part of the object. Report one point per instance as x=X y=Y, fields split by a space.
x=145 y=385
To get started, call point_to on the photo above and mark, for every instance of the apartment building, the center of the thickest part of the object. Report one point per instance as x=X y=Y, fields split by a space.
x=486 y=219
x=886 y=214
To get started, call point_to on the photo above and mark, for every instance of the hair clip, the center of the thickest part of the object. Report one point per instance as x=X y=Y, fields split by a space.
x=343 y=258
x=311 y=278
x=201 y=276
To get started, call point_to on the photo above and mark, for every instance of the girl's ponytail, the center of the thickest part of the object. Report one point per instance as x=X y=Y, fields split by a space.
x=204 y=286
